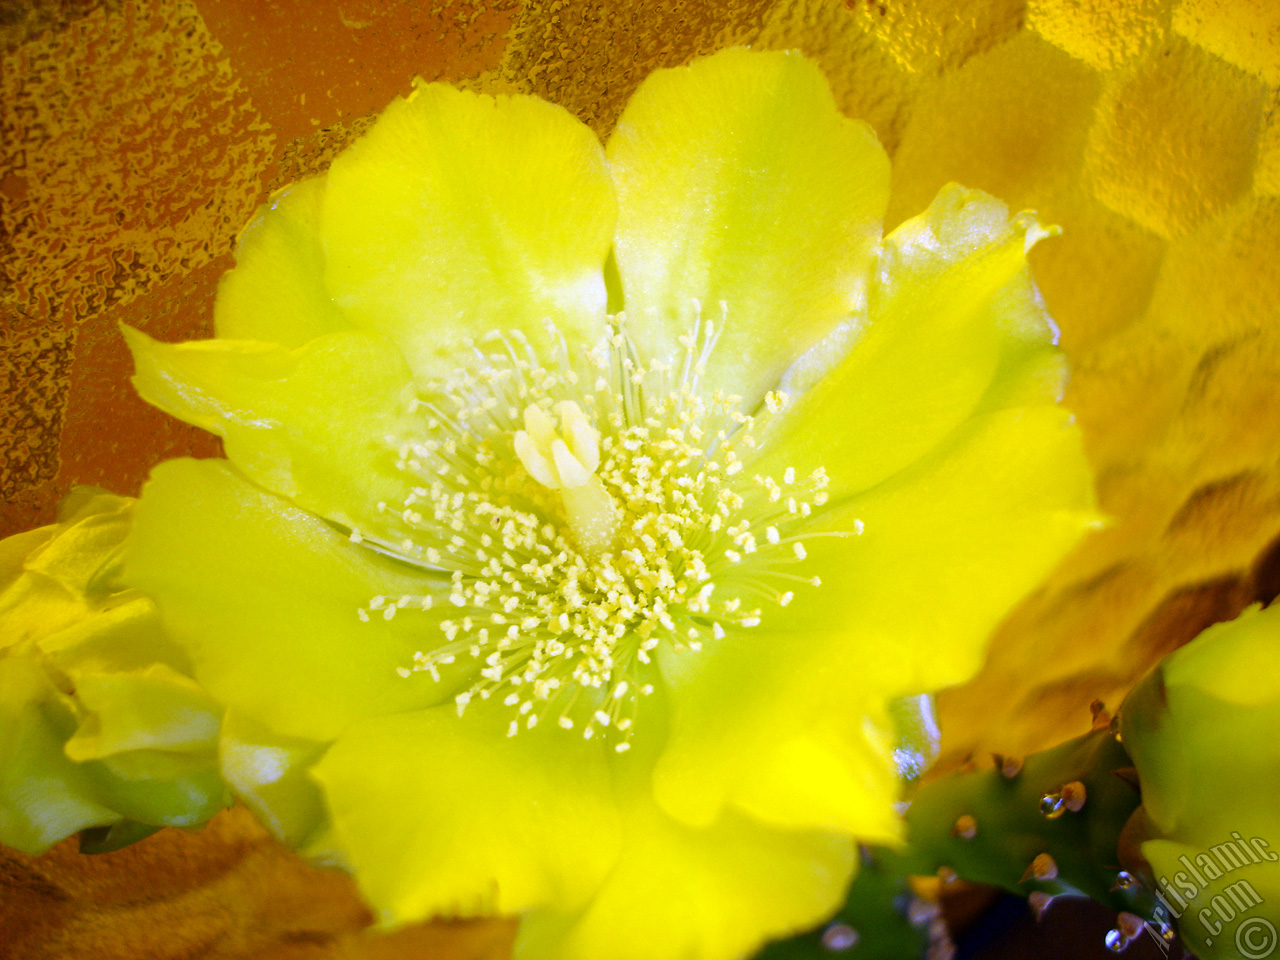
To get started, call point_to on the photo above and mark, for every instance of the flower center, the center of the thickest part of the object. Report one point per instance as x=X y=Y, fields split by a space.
x=578 y=515
x=566 y=460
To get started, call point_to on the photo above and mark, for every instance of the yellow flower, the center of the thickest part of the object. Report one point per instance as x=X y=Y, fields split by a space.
x=100 y=723
x=587 y=508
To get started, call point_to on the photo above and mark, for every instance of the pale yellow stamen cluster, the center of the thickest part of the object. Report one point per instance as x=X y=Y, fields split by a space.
x=572 y=522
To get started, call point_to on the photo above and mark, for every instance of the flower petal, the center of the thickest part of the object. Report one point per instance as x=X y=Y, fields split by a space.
x=122 y=636
x=310 y=424
x=153 y=709
x=31 y=604
x=151 y=786
x=906 y=607
x=265 y=599
x=268 y=772
x=951 y=316
x=458 y=214
x=714 y=893
x=46 y=795
x=951 y=545
x=276 y=292
x=47 y=574
x=14 y=552
x=75 y=558
x=833 y=780
x=755 y=722
x=739 y=181
x=442 y=814
x=43 y=795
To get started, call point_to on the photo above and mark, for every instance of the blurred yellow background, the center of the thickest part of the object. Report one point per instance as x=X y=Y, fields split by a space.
x=136 y=137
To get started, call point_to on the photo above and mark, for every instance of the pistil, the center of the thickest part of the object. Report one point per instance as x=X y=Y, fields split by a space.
x=610 y=533
x=564 y=457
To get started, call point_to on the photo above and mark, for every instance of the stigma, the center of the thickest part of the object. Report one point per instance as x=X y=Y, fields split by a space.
x=564 y=457
x=577 y=517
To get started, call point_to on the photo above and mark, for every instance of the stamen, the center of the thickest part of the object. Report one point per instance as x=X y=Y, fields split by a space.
x=625 y=521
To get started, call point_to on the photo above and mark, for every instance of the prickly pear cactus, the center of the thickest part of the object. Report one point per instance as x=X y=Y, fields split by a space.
x=1165 y=814
x=1202 y=731
x=1046 y=827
